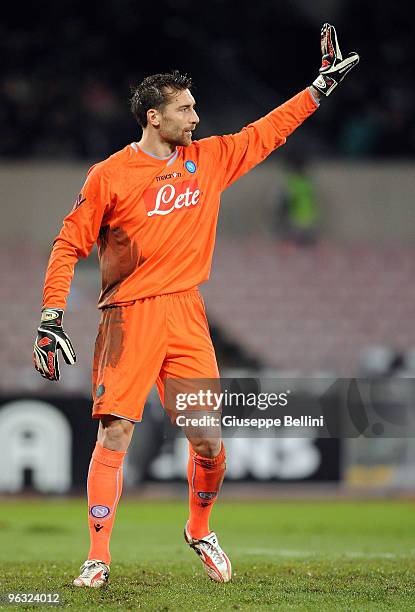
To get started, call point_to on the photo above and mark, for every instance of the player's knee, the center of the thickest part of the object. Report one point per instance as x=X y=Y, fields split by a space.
x=115 y=434
x=209 y=447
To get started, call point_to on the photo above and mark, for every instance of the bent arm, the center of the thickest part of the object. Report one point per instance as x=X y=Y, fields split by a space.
x=59 y=273
x=79 y=233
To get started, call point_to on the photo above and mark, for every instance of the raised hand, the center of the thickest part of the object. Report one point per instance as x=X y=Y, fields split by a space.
x=333 y=67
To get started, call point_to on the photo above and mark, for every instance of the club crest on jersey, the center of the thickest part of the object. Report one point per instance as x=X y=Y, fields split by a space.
x=190 y=166
x=168 y=198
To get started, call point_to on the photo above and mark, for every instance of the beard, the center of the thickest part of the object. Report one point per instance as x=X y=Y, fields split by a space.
x=176 y=137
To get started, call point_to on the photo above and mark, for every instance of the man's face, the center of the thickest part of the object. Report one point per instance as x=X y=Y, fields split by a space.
x=178 y=118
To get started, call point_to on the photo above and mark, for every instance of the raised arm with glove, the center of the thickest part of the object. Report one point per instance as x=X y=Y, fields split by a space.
x=334 y=67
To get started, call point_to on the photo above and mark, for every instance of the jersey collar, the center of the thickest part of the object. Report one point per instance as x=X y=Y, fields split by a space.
x=168 y=159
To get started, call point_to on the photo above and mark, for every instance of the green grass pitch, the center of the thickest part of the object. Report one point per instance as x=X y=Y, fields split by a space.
x=302 y=555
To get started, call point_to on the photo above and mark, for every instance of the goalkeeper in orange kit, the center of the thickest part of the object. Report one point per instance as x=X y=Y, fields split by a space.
x=152 y=209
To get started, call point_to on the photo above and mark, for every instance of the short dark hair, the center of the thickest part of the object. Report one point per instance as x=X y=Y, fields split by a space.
x=154 y=92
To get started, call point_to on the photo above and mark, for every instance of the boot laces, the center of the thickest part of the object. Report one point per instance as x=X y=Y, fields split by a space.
x=216 y=554
x=90 y=567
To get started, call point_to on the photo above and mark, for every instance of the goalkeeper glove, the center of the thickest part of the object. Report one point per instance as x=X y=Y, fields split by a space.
x=333 y=68
x=50 y=338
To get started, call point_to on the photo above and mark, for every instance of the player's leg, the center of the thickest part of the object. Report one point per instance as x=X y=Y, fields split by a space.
x=104 y=486
x=122 y=378
x=191 y=365
x=191 y=356
x=205 y=474
x=105 y=479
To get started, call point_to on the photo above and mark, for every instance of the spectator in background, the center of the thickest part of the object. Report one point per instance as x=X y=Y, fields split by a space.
x=297 y=210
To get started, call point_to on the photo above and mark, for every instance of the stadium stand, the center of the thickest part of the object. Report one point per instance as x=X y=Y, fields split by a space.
x=312 y=310
x=69 y=103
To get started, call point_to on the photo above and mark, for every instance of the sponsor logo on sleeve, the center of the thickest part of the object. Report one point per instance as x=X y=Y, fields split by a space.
x=78 y=201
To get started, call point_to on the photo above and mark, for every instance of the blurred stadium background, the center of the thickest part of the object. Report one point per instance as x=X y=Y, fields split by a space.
x=313 y=274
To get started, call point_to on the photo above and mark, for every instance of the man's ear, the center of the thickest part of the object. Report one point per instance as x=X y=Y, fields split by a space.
x=153 y=117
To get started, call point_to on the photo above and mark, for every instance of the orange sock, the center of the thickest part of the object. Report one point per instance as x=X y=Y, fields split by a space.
x=104 y=491
x=205 y=477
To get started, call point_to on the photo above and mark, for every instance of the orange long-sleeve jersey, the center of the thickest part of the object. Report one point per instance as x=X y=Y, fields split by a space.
x=154 y=220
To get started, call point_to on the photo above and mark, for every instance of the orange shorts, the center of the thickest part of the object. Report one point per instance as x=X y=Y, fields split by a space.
x=144 y=342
